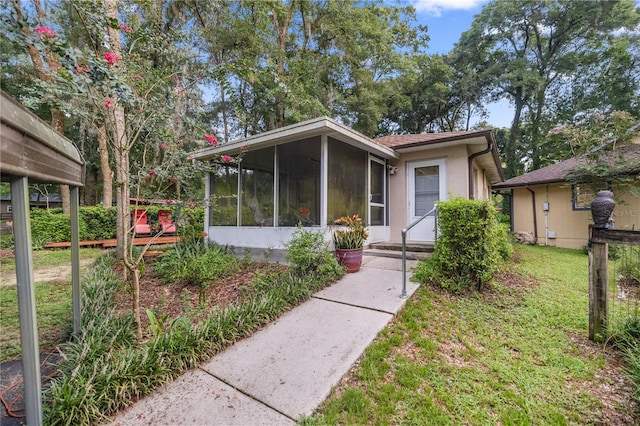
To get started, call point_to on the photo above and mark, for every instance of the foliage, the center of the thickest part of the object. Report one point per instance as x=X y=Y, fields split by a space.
x=353 y=236
x=628 y=262
x=528 y=53
x=599 y=141
x=196 y=262
x=106 y=369
x=511 y=356
x=309 y=254
x=627 y=340
x=471 y=244
x=98 y=223
x=49 y=226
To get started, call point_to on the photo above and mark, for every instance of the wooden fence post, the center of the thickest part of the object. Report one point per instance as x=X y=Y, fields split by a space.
x=598 y=285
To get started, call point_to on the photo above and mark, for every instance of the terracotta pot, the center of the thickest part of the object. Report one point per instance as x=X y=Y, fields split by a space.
x=350 y=258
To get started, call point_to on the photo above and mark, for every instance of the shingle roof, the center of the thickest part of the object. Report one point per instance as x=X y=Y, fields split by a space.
x=405 y=141
x=557 y=172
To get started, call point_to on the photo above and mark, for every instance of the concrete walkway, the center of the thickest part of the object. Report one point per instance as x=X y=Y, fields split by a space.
x=288 y=368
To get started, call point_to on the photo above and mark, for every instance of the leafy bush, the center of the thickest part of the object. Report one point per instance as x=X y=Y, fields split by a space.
x=469 y=249
x=309 y=254
x=49 y=226
x=628 y=342
x=196 y=262
x=98 y=223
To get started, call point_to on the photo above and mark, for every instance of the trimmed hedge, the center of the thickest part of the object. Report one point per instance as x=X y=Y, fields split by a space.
x=98 y=223
x=471 y=245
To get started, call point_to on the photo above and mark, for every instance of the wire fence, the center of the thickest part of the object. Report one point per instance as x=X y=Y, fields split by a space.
x=624 y=286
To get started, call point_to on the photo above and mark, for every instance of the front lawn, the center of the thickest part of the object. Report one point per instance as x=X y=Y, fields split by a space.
x=515 y=354
x=53 y=299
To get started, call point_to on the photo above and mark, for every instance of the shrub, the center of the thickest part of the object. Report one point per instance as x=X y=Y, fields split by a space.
x=309 y=253
x=628 y=342
x=49 y=226
x=196 y=262
x=469 y=249
x=97 y=223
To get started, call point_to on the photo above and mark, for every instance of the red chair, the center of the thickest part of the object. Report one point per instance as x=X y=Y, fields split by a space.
x=142 y=226
x=167 y=226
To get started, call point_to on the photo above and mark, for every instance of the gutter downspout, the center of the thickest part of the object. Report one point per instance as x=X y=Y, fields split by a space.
x=535 y=217
x=471 y=158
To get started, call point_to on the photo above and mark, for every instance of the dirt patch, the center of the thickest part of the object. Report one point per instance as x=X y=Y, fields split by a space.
x=171 y=301
x=54 y=273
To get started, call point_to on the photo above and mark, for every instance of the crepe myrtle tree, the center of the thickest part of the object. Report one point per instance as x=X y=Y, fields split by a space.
x=144 y=113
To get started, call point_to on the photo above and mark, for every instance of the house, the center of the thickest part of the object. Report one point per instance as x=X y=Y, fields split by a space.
x=547 y=210
x=36 y=200
x=315 y=171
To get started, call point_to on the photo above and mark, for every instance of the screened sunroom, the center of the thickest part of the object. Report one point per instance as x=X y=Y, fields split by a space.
x=306 y=175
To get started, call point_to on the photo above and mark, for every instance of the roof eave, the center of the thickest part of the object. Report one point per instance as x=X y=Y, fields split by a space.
x=303 y=130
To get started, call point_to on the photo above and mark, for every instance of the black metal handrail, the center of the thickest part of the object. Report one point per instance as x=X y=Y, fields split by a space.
x=434 y=210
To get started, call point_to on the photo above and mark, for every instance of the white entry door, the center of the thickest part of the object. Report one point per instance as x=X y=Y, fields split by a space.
x=426 y=184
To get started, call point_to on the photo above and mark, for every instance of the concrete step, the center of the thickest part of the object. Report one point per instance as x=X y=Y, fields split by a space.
x=396 y=254
x=411 y=247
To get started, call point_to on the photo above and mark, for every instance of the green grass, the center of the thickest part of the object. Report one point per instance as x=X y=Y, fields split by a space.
x=48 y=258
x=509 y=356
x=53 y=303
x=53 y=308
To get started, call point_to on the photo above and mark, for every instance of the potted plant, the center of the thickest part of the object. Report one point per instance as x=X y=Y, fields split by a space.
x=349 y=241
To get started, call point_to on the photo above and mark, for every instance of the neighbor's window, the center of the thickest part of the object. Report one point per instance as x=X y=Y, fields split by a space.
x=224 y=190
x=582 y=197
x=257 y=188
x=299 y=183
x=347 y=188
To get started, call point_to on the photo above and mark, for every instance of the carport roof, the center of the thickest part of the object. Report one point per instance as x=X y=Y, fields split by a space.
x=30 y=147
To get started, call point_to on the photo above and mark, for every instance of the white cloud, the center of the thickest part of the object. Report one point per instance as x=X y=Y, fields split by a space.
x=436 y=7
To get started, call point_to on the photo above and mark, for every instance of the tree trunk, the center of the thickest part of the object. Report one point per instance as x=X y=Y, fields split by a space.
x=135 y=277
x=107 y=173
x=121 y=147
x=510 y=148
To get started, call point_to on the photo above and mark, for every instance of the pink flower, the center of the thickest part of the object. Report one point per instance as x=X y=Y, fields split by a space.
x=80 y=69
x=164 y=147
x=137 y=77
x=111 y=58
x=108 y=102
x=211 y=139
x=45 y=31
x=226 y=158
x=152 y=172
x=204 y=235
x=126 y=28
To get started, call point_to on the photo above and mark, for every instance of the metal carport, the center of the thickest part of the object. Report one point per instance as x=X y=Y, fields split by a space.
x=31 y=151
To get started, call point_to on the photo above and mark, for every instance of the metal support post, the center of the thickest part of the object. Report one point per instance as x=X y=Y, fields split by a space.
x=75 y=261
x=26 y=301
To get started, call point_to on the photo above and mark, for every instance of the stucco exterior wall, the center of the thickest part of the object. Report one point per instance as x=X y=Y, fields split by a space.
x=457 y=176
x=570 y=227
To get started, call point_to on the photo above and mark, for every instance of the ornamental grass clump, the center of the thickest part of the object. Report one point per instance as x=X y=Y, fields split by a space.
x=353 y=236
